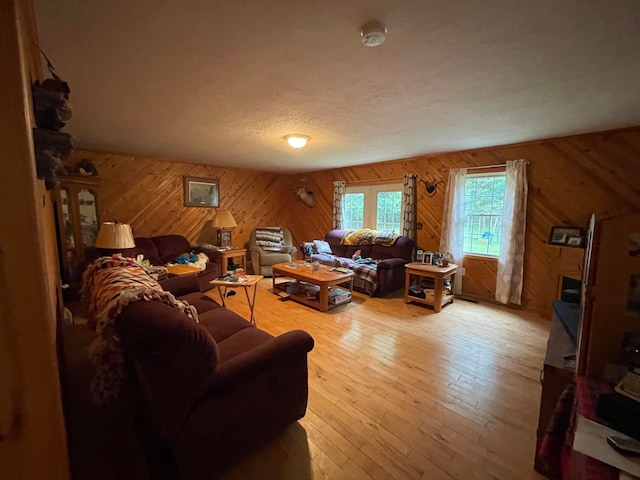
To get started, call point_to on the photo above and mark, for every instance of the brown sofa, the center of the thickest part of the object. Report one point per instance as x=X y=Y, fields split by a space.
x=209 y=392
x=164 y=249
x=376 y=279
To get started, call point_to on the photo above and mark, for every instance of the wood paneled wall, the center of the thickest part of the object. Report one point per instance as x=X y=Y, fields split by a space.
x=569 y=178
x=148 y=193
x=480 y=277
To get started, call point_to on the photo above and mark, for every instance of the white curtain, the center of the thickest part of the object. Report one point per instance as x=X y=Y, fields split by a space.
x=339 y=189
x=452 y=235
x=514 y=216
x=409 y=204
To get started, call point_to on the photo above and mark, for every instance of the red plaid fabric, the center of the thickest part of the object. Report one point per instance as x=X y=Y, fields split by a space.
x=556 y=450
x=368 y=273
x=577 y=466
x=553 y=443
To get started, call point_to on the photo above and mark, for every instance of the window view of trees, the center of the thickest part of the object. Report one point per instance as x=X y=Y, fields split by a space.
x=388 y=214
x=353 y=213
x=378 y=207
x=484 y=203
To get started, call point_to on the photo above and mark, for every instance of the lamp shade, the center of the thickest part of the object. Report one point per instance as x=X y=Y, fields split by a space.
x=114 y=235
x=224 y=219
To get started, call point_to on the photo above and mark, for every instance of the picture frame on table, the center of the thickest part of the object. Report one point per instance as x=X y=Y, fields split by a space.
x=427 y=257
x=567 y=236
x=201 y=192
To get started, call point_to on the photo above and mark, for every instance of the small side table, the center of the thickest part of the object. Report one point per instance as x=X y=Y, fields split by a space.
x=438 y=274
x=179 y=269
x=251 y=281
x=236 y=253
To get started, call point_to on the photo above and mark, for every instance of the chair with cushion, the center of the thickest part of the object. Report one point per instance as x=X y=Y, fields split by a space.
x=268 y=246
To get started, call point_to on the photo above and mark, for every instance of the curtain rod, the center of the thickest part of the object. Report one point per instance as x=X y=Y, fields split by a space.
x=484 y=166
x=477 y=168
x=374 y=180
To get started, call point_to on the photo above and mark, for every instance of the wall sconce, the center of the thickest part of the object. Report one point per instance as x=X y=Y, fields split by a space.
x=430 y=187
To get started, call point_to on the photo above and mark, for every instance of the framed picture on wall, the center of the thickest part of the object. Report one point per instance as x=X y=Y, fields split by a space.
x=577 y=241
x=201 y=192
x=566 y=236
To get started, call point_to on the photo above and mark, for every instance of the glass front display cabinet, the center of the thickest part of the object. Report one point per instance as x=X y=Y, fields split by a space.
x=78 y=223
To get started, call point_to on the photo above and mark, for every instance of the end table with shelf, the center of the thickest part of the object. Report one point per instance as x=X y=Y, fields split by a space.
x=417 y=271
x=235 y=254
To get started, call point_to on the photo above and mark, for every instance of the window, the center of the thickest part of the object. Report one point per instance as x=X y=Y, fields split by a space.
x=483 y=205
x=378 y=207
x=353 y=213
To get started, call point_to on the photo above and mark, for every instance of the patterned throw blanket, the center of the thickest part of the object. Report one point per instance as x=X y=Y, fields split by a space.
x=366 y=276
x=108 y=286
x=271 y=239
x=367 y=236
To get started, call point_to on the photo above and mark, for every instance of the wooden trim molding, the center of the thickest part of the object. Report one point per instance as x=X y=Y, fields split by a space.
x=31 y=419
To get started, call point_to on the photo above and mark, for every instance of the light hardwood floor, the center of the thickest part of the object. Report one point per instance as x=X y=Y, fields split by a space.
x=397 y=391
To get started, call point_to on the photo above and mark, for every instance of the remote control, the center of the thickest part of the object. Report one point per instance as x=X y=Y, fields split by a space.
x=625 y=446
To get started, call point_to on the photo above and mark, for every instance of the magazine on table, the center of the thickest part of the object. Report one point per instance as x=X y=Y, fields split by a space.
x=234 y=278
x=295 y=265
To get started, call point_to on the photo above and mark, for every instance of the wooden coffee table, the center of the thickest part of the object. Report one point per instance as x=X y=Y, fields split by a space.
x=324 y=278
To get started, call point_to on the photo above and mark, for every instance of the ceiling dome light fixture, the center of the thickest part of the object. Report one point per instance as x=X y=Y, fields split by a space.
x=373 y=34
x=296 y=140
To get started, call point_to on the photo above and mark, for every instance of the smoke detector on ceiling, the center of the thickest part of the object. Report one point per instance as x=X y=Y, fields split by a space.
x=373 y=34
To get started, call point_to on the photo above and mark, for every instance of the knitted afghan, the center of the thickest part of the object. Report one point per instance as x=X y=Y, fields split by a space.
x=270 y=238
x=108 y=286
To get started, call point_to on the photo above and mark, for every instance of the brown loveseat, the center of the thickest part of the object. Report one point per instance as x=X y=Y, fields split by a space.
x=164 y=249
x=377 y=279
x=210 y=392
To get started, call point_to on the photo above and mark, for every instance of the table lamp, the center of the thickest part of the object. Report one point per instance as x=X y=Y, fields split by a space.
x=224 y=221
x=115 y=236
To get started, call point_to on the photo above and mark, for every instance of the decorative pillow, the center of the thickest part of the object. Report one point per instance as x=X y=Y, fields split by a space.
x=322 y=246
x=270 y=238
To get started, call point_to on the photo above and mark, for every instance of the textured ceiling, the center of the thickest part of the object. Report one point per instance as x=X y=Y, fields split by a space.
x=221 y=82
